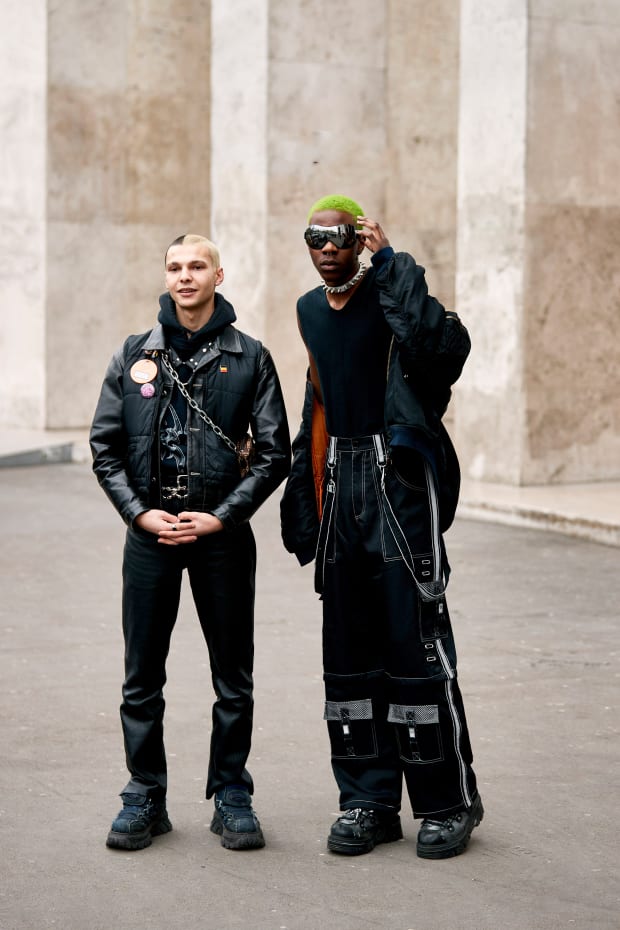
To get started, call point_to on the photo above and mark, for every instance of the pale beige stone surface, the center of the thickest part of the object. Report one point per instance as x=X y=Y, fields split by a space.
x=491 y=195
x=539 y=230
x=237 y=162
x=119 y=278
x=573 y=124
x=22 y=213
x=605 y=12
x=128 y=138
x=588 y=510
x=422 y=112
x=572 y=350
x=572 y=294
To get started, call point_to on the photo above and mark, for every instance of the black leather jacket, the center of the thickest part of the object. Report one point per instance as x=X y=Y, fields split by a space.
x=237 y=385
x=429 y=349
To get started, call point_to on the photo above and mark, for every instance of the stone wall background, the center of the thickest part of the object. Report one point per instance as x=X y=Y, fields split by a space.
x=23 y=229
x=483 y=136
x=538 y=240
x=127 y=152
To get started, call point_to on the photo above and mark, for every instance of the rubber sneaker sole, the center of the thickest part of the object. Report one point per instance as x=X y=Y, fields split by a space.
x=448 y=850
x=230 y=840
x=389 y=833
x=139 y=840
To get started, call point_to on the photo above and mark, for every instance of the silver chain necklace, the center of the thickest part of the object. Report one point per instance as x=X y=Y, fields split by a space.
x=342 y=288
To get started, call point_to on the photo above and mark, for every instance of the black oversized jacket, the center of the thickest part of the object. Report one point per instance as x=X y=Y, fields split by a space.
x=429 y=348
x=236 y=383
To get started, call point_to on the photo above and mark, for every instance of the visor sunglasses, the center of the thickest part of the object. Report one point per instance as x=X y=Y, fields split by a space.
x=343 y=236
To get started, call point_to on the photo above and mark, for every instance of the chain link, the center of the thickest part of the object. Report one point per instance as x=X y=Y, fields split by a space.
x=190 y=400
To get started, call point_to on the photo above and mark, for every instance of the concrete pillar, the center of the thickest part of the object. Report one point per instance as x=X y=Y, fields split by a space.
x=538 y=239
x=23 y=94
x=421 y=102
x=239 y=154
x=128 y=171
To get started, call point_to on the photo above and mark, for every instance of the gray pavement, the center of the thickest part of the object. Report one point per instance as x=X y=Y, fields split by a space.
x=536 y=620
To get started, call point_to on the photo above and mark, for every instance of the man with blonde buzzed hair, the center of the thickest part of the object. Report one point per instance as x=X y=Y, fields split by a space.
x=194 y=239
x=172 y=451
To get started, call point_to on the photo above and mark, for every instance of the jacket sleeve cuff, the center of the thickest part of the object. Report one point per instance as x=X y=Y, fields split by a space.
x=224 y=517
x=306 y=555
x=133 y=510
x=382 y=257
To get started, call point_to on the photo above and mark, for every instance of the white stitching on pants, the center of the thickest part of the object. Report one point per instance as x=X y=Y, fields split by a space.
x=457 y=739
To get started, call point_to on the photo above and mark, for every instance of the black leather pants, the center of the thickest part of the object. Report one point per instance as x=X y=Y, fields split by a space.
x=221 y=569
x=393 y=705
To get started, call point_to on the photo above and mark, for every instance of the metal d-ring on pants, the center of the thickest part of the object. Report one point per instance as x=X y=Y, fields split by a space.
x=221 y=569
x=393 y=706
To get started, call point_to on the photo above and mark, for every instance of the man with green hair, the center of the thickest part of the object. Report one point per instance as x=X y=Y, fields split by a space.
x=373 y=486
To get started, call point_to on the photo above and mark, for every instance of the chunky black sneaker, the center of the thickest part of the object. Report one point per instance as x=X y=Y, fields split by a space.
x=440 y=839
x=358 y=831
x=235 y=821
x=137 y=823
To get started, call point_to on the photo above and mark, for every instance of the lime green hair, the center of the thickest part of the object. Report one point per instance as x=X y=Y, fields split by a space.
x=339 y=203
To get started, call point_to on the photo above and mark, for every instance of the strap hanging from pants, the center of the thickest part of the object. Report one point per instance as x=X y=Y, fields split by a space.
x=433 y=590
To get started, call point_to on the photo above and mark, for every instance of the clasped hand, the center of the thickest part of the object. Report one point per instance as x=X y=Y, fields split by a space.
x=178 y=530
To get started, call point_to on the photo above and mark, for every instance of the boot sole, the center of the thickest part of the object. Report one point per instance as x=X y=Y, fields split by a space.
x=230 y=840
x=134 y=841
x=389 y=834
x=446 y=851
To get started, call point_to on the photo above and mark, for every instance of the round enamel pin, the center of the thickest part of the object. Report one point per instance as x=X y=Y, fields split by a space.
x=147 y=390
x=143 y=371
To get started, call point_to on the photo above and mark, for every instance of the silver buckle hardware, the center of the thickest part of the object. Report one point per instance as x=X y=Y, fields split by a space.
x=178 y=492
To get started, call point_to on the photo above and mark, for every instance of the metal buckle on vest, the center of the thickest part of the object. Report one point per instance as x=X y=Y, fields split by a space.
x=178 y=491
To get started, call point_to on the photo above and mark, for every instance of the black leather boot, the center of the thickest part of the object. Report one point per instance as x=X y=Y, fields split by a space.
x=440 y=839
x=138 y=821
x=358 y=831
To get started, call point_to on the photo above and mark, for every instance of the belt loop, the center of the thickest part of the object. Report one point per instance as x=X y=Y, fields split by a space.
x=331 y=452
x=380 y=449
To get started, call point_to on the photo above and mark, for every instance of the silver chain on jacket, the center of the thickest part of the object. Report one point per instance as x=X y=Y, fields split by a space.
x=190 y=400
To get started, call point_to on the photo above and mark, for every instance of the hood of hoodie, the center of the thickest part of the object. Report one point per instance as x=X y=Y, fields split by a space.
x=183 y=340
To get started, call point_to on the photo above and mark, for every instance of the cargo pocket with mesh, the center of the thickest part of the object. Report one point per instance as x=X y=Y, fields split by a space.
x=417 y=731
x=351 y=729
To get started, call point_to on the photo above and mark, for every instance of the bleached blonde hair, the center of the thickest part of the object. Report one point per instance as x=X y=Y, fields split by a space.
x=194 y=239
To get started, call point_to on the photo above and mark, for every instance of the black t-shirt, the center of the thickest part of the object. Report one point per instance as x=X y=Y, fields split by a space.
x=350 y=348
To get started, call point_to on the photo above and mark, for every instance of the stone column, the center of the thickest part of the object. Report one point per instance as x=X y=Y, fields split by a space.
x=128 y=171
x=239 y=154
x=421 y=102
x=23 y=94
x=538 y=239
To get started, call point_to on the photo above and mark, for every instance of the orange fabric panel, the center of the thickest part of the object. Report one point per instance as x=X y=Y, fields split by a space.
x=319 y=451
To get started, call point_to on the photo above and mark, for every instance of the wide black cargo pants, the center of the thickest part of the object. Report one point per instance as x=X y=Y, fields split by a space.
x=393 y=706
